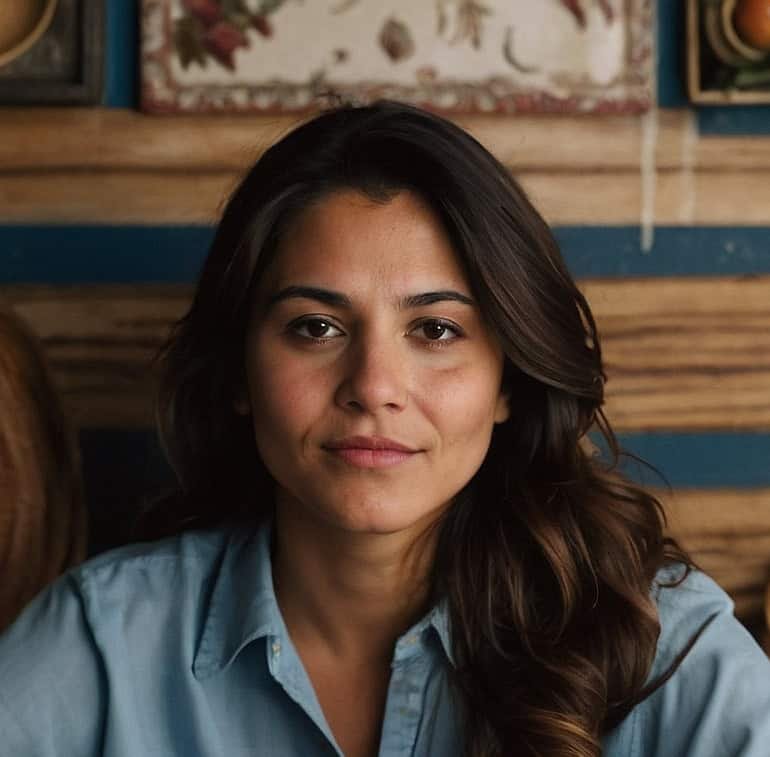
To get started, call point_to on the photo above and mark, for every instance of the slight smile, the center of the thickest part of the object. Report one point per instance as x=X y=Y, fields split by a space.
x=370 y=451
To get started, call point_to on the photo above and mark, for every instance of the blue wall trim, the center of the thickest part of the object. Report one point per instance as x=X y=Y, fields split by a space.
x=701 y=460
x=49 y=254
x=124 y=468
x=121 y=54
x=62 y=255
x=671 y=33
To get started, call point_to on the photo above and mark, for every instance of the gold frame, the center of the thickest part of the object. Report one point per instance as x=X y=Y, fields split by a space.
x=711 y=96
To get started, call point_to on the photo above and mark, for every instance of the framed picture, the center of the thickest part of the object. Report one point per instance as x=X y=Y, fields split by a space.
x=449 y=55
x=51 y=52
x=728 y=51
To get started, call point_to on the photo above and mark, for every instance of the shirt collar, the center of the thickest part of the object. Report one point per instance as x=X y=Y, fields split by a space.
x=439 y=620
x=243 y=607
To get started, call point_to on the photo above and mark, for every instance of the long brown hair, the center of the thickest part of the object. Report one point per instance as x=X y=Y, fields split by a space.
x=547 y=558
x=42 y=513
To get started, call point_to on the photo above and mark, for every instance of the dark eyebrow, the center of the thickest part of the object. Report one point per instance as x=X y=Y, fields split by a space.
x=339 y=300
x=335 y=299
x=428 y=298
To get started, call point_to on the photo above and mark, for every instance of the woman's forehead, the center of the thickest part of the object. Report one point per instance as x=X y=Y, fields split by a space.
x=348 y=237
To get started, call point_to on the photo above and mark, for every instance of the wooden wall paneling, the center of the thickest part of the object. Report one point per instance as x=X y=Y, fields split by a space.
x=100 y=342
x=196 y=196
x=685 y=353
x=117 y=139
x=681 y=354
x=119 y=166
x=146 y=197
x=111 y=138
x=728 y=535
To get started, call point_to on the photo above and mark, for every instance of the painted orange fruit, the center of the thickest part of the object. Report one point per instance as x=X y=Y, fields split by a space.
x=752 y=22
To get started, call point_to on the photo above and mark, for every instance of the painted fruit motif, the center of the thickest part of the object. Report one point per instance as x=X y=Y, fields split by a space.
x=752 y=22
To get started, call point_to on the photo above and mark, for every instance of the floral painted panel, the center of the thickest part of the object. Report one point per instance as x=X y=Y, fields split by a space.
x=451 y=55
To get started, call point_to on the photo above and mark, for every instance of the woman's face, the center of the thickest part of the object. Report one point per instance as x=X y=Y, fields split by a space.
x=372 y=381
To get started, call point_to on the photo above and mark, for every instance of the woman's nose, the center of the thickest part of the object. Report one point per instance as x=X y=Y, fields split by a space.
x=375 y=376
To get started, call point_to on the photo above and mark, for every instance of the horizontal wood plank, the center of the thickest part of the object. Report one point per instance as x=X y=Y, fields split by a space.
x=108 y=165
x=681 y=354
x=111 y=138
x=727 y=533
x=685 y=353
x=176 y=197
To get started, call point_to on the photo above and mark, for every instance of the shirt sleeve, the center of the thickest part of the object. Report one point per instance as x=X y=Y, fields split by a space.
x=717 y=703
x=52 y=688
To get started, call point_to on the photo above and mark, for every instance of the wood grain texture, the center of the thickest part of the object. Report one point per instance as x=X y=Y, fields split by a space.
x=728 y=535
x=681 y=354
x=111 y=138
x=109 y=165
x=100 y=343
x=592 y=197
x=146 y=197
x=685 y=353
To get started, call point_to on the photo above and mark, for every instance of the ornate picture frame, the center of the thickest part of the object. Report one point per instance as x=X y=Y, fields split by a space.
x=278 y=56
x=64 y=65
x=722 y=69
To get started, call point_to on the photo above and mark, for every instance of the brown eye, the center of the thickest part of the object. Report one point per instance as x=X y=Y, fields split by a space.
x=434 y=330
x=315 y=328
x=318 y=329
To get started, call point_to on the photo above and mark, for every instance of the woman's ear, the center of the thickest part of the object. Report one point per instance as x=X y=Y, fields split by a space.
x=503 y=407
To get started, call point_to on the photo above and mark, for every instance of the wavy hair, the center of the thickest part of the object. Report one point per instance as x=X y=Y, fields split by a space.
x=548 y=557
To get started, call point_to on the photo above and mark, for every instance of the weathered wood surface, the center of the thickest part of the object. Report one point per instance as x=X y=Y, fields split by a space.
x=728 y=535
x=100 y=342
x=681 y=354
x=111 y=138
x=685 y=353
x=602 y=197
x=119 y=166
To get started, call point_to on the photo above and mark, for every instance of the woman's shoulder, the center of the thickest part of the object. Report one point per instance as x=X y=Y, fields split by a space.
x=687 y=601
x=190 y=553
x=716 y=700
x=148 y=582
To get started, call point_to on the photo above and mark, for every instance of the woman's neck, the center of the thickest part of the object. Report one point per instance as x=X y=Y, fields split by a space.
x=349 y=595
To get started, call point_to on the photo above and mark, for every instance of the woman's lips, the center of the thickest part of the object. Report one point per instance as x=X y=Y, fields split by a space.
x=370 y=452
x=371 y=458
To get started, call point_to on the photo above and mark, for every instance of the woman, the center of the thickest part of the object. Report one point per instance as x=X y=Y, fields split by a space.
x=42 y=514
x=388 y=537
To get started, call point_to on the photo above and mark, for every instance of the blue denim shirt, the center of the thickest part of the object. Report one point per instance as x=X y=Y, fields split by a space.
x=179 y=648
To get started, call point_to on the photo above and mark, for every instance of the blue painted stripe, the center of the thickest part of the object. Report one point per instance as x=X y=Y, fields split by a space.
x=734 y=119
x=101 y=254
x=52 y=254
x=124 y=468
x=121 y=54
x=598 y=251
x=671 y=73
x=701 y=460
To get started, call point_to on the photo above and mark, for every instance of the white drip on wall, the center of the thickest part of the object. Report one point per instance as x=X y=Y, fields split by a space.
x=687 y=186
x=649 y=141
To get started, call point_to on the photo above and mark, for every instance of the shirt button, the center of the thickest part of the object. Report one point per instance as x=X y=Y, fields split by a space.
x=276 y=647
x=410 y=640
